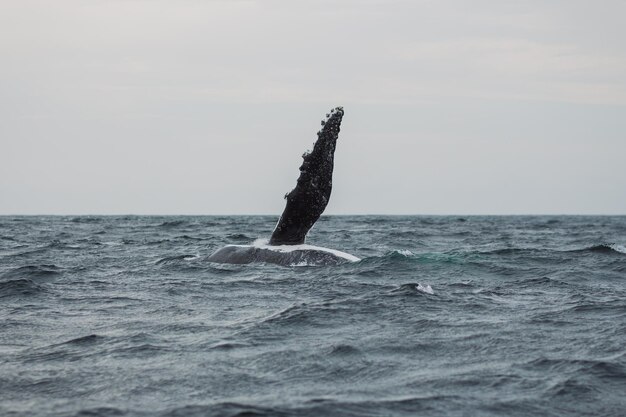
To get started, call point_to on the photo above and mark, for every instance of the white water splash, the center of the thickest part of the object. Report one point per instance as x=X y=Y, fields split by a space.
x=425 y=289
x=618 y=248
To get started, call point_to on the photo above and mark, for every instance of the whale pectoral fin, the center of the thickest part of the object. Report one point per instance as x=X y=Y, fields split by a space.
x=307 y=201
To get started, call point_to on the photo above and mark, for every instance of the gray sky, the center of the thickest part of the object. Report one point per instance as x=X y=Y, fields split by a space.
x=204 y=107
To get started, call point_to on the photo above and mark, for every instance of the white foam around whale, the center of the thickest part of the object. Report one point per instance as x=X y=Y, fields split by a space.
x=264 y=244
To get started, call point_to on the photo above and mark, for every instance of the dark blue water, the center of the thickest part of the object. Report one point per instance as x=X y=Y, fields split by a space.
x=115 y=316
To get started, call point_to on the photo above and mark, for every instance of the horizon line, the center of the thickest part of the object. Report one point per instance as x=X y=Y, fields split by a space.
x=323 y=215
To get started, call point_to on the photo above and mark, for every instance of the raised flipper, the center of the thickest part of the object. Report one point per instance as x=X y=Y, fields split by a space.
x=307 y=201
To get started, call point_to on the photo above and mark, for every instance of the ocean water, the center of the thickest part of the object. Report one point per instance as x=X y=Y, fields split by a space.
x=454 y=316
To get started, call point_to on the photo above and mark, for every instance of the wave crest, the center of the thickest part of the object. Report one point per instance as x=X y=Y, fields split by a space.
x=608 y=248
x=31 y=272
x=176 y=258
x=17 y=287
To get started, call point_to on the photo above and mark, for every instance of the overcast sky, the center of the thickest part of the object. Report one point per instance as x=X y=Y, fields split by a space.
x=205 y=107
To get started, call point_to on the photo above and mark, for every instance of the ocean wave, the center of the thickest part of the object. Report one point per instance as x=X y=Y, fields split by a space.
x=570 y=387
x=32 y=272
x=187 y=237
x=405 y=234
x=344 y=350
x=176 y=258
x=68 y=351
x=58 y=244
x=239 y=237
x=615 y=306
x=227 y=345
x=155 y=242
x=86 y=219
x=597 y=367
x=413 y=288
x=101 y=412
x=400 y=256
x=145 y=349
x=403 y=252
x=434 y=404
x=318 y=314
x=511 y=251
x=223 y=409
x=608 y=248
x=20 y=287
x=89 y=339
x=172 y=223
x=542 y=281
